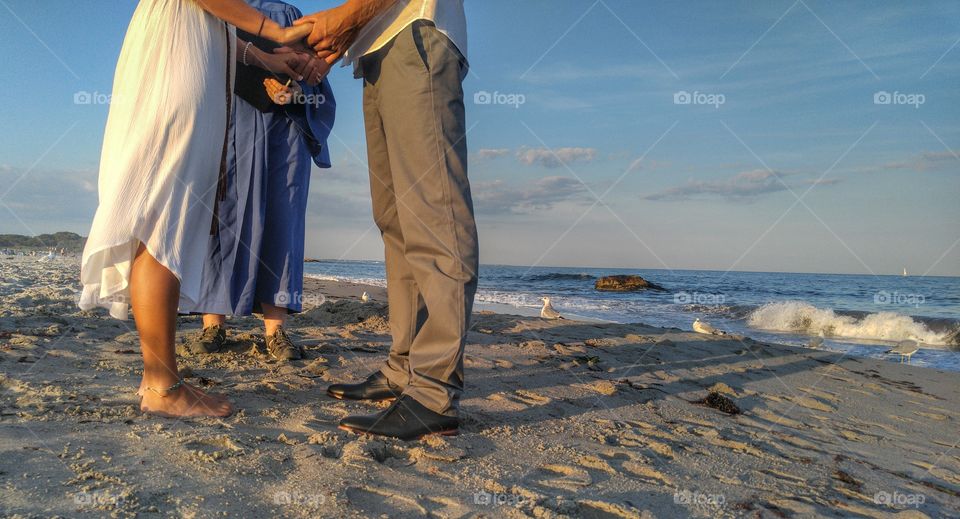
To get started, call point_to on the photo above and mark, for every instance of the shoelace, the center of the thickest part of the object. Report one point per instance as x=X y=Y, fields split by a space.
x=281 y=340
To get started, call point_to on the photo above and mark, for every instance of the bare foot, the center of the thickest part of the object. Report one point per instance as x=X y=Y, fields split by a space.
x=185 y=402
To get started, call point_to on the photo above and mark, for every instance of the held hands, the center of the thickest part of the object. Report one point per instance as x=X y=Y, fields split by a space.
x=332 y=32
x=301 y=66
x=289 y=63
x=293 y=34
x=311 y=68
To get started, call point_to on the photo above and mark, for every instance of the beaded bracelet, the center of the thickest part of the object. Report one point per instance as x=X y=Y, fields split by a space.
x=245 y=49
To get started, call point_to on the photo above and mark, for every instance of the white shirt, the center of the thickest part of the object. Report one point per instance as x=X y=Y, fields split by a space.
x=447 y=15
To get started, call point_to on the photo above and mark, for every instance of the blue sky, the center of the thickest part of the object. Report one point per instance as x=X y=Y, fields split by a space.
x=782 y=161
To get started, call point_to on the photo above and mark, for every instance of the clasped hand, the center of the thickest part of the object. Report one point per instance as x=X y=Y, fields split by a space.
x=310 y=60
x=333 y=32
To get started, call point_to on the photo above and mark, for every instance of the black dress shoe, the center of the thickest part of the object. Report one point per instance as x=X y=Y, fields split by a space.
x=376 y=387
x=406 y=419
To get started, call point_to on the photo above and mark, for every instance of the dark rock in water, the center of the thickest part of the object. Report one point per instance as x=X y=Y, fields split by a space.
x=720 y=403
x=625 y=284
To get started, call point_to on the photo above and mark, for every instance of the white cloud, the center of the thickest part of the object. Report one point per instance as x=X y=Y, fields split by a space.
x=924 y=161
x=544 y=193
x=553 y=158
x=492 y=153
x=745 y=186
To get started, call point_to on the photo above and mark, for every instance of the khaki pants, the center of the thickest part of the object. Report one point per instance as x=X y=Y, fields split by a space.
x=417 y=152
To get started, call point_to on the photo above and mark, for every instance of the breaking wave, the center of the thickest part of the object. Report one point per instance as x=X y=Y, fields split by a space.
x=800 y=317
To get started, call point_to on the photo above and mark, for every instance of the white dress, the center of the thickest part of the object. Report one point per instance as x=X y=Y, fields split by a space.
x=162 y=151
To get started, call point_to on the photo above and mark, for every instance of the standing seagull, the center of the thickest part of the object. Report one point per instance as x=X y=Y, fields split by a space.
x=365 y=297
x=905 y=349
x=548 y=311
x=702 y=327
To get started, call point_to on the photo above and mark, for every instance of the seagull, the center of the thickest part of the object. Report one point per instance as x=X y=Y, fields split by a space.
x=702 y=327
x=816 y=342
x=365 y=297
x=548 y=311
x=905 y=349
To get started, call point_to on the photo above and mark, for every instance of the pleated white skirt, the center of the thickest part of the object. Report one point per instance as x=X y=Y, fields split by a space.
x=162 y=151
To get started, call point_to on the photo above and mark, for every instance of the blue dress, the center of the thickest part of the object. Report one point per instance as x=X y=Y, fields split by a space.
x=257 y=255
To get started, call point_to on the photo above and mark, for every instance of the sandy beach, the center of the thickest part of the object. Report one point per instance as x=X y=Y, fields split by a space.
x=561 y=419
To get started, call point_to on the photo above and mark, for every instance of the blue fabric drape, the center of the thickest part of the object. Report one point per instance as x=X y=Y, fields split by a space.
x=257 y=257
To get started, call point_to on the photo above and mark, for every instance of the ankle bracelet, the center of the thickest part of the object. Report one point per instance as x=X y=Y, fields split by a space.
x=164 y=392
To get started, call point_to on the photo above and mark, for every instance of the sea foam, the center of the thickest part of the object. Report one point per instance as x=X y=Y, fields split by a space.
x=800 y=317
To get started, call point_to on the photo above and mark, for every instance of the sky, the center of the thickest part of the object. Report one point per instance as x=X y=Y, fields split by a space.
x=797 y=135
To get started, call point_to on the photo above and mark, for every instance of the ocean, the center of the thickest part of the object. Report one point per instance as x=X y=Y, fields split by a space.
x=862 y=315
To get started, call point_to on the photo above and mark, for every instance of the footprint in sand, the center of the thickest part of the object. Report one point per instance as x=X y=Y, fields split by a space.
x=630 y=439
x=646 y=473
x=213 y=449
x=592 y=509
x=812 y=403
x=603 y=387
x=379 y=502
x=522 y=398
x=777 y=419
x=563 y=477
x=933 y=416
x=474 y=362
